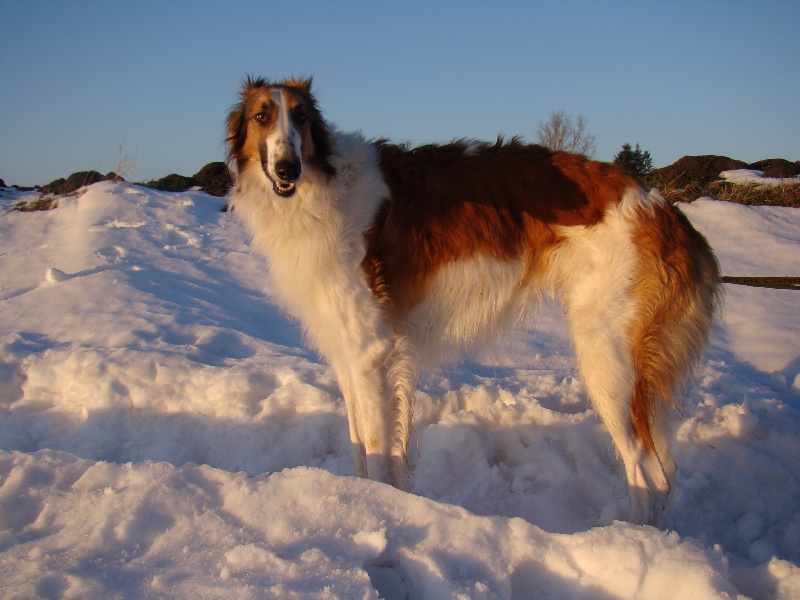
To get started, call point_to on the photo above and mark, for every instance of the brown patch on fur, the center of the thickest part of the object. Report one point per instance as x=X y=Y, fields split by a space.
x=457 y=201
x=676 y=291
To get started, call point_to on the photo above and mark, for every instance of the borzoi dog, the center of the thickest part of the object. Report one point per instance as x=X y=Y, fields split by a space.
x=393 y=256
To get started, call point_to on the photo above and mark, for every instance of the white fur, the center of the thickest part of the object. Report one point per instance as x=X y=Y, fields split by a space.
x=470 y=301
x=314 y=246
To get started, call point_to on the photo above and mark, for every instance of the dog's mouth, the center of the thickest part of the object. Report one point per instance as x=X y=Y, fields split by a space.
x=284 y=189
x=284 y=181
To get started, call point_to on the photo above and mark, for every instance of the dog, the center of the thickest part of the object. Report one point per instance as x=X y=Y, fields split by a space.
x=392 y=257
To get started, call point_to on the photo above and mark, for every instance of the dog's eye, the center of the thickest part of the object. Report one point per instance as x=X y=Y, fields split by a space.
x=300 y=117
x=261 y=117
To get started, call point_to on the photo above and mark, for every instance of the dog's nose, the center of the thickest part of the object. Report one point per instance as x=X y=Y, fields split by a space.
x=288 y=170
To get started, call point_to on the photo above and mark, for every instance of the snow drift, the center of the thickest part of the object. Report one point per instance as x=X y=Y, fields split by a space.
x=163 y=432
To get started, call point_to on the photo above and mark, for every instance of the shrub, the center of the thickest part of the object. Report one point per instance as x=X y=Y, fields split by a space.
x=693 y=170
x=172 y=183
x=559 y=132
x=72 y=183
x=214 y=179
x=777 y=167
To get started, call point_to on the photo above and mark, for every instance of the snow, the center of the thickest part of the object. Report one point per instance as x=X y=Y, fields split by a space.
x=164 y=433
x=751 y=176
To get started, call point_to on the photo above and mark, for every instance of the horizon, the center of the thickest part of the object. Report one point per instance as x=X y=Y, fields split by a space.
x=149 y=182
x=92 y=85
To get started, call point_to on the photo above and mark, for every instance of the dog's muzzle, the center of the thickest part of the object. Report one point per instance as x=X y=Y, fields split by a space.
x=287 y=173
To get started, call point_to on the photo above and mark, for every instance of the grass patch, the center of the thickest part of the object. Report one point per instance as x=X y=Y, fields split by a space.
x=752 y=194
x=43 y=202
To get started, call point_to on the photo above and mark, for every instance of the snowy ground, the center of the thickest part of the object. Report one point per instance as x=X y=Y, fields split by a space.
x=749 y=176
x=163 y=433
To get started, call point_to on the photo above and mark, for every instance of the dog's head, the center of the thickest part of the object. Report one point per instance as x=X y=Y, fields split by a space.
x=278 y=129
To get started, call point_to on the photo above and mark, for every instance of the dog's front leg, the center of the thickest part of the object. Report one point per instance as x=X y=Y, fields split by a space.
x=374 y=406
x=378 y=389
x=364 y=389
x=353 y=421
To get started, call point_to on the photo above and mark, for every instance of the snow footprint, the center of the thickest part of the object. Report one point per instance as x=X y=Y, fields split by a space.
x=117 y=224
x=112 y=253
x=175 y=238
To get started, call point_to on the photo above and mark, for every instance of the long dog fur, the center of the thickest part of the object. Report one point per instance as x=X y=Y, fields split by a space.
x=392 y=256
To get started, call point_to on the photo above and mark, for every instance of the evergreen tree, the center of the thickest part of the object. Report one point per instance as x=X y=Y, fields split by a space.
x=636 y=162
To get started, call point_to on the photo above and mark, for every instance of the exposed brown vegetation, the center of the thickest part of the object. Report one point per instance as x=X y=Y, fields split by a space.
x=214 y=178
x=694 y=177
x=752 y=194
x=76 y=181
x=777 y=167
x=695 y=170
x=43 y=202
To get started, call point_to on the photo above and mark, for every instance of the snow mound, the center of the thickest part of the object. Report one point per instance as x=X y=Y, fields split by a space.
x=163 y=432
x=750 y=176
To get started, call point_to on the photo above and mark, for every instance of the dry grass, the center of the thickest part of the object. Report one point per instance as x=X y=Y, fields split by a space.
x=752 y=194
x=43 y=202
x=124 y=166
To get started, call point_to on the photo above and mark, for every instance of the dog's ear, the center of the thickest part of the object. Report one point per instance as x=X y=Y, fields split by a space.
x=250 y=84
x=236 y=132
x=321 y=137
x=235 y=122
x=302 y=84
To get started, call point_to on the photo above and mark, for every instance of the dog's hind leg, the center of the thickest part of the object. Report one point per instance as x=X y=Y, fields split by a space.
x=599 y=270
x=606 y=366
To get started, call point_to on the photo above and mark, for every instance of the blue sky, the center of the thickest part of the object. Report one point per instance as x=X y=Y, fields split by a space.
x=79 y=80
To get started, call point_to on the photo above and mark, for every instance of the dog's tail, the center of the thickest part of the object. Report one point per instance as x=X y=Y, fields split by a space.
x=676 y=291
